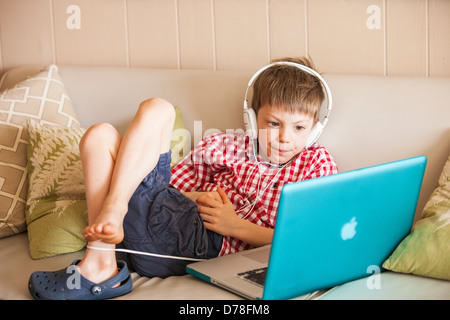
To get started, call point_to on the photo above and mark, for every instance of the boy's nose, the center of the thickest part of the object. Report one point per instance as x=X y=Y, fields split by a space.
x=283 y=136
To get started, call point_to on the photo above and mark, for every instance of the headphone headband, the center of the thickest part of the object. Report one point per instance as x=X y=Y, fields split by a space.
x=250 y=120
x=303 y=68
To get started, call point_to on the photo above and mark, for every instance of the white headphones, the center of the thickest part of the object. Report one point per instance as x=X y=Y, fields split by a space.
x=250 y=116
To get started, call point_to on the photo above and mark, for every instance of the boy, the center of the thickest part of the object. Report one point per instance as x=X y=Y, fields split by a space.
x=218 y=200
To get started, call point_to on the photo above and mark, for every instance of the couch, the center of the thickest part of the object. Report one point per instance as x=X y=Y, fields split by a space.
x=374 y=119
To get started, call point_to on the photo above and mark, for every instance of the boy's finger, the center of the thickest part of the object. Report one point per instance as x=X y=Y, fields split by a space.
x=205 y=210
x=223 y=195
x=206 y=201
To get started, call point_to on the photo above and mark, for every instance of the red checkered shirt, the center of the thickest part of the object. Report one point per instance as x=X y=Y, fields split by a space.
x=252 y=185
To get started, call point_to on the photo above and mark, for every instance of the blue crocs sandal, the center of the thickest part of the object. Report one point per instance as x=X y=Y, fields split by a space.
x=66 y=284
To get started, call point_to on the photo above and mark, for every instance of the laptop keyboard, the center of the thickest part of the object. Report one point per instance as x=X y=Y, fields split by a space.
x=257 y=276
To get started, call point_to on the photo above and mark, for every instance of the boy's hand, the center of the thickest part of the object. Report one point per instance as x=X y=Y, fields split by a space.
x=218 y=214
x=194 y=195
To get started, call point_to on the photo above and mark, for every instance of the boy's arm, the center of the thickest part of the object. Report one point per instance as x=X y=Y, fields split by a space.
x=253 y=234
x=219 y=216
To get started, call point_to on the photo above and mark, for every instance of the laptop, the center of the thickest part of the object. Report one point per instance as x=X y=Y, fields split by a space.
x=329 y=231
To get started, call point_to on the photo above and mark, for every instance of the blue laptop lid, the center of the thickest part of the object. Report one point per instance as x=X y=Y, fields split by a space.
x=342 y=227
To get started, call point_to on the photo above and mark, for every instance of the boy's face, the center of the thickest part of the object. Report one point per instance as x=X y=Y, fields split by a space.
x=282 y=134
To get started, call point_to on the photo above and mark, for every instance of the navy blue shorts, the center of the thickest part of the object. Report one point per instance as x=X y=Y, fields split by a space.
x=162 y=220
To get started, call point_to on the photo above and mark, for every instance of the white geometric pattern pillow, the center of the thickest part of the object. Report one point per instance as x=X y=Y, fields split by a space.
x=43 y=98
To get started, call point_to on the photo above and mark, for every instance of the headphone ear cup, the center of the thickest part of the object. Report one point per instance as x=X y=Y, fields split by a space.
x=314 y=134
x=251 y=126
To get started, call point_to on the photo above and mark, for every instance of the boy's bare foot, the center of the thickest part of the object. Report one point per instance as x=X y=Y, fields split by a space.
x=108 y=233
x=107 y=228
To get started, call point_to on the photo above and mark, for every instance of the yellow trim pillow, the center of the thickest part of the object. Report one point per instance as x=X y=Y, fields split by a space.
x=180 y=143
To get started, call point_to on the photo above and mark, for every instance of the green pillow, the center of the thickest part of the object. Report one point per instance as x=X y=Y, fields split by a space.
x=426 y=251
x=56 y=212
x=180 y=143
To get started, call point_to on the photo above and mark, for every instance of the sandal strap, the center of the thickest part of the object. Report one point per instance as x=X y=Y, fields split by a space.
x=57 y=285
x=97 y=289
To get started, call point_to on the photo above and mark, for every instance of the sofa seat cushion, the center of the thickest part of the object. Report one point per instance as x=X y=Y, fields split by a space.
x=16 y=267
x=390 y=285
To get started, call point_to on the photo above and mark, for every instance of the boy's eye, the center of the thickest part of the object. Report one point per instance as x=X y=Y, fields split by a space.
x=299 y=128
x=273 y=123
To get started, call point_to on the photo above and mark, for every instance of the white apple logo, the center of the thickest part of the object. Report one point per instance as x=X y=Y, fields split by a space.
x=348 y=230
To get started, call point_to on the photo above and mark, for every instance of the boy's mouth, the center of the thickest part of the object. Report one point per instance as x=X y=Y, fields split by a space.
x=280 y=151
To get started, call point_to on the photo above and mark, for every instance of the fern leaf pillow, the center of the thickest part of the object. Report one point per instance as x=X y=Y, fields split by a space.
x=56 y=211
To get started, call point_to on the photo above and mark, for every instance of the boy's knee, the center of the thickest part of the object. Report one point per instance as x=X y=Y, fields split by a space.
x=98 y=134
x=157 y=108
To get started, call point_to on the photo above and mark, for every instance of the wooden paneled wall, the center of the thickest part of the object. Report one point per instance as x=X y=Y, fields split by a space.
x=373 y=37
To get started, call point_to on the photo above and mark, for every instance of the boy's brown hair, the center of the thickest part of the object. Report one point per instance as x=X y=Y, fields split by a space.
x=289 y=87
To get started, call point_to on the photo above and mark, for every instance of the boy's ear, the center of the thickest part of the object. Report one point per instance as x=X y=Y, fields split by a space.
x=251 y=123
x=316 y=131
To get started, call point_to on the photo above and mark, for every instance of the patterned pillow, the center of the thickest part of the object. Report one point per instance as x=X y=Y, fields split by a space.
x=56 y=211
x=44 y=98
x=426 y=251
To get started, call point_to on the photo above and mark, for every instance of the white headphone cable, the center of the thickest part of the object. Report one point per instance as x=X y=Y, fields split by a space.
x=145 y=253
x=258 y=193
x=253 y=169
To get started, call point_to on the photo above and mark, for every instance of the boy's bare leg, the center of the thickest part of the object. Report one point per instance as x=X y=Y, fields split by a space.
x=113 y=167
x=98 y=148
x=147 y=137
